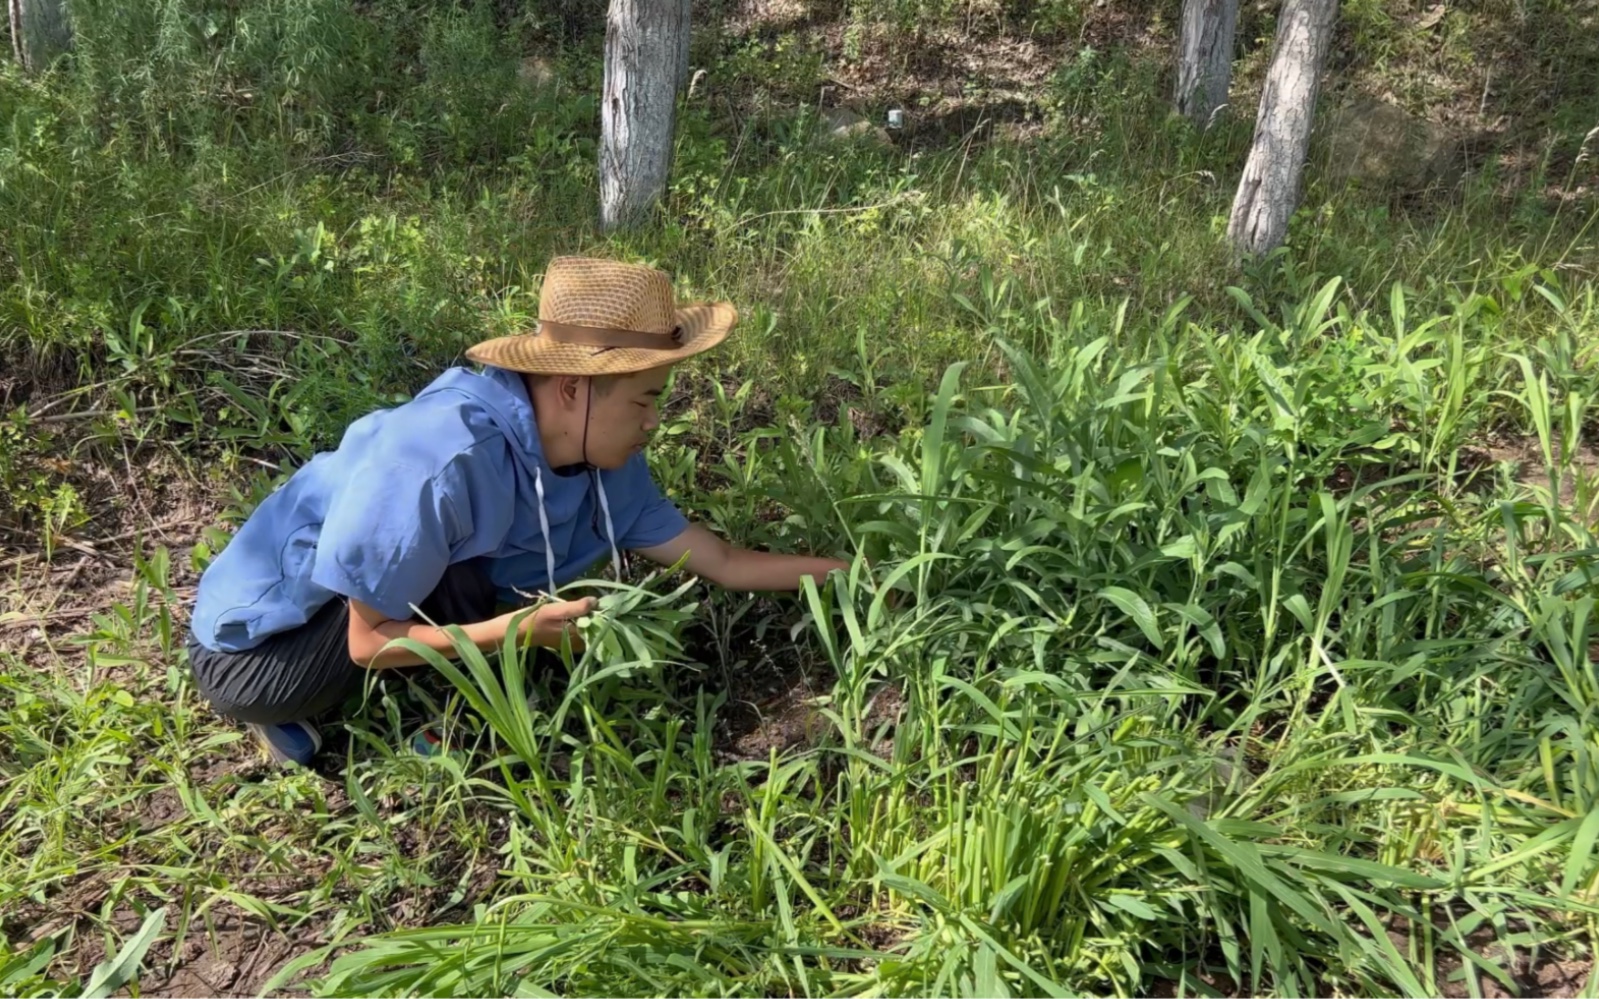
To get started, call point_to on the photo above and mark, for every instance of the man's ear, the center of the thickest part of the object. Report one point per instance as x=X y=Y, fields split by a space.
x=570 y=389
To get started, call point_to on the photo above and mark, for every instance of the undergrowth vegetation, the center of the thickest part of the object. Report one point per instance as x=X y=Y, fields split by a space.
x=1195 y=678
x=1209 y=632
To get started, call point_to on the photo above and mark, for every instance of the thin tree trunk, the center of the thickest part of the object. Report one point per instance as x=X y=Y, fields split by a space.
x=1269 y=190
x=40 y=31
x=638 y=111
x=1205 y=58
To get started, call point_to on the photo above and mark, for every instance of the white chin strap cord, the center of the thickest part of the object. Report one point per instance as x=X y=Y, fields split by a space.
x=610 y=527
x=544 y=527
x=599 y=484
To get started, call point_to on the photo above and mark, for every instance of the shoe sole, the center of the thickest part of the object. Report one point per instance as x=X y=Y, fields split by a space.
x=277 y=755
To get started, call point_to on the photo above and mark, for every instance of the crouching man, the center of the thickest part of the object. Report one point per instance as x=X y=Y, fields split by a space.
x=519 y=477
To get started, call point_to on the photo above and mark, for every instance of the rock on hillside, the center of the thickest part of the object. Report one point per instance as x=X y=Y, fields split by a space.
x=1373 y=142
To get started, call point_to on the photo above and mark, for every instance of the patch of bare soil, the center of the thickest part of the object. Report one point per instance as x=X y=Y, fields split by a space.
x=792 y=719
x=1532 y=975
x=771 y=687
x=1541 y=977
x=236 y=964
x=1476 y=465
x=140 y=502
x=122 y=494
x=1525 y=456
x=234 y=955
x=243 y=951
x=1559 y=979
x=752 y=730
x=226 y=950
x=971 y=80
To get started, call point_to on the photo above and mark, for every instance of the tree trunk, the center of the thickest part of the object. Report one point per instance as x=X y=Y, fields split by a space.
x=638 y=111
x=39 y=32
x=1205 y=58
x=1268 y=192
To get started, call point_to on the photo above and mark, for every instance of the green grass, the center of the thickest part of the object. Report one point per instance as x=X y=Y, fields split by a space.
x=1214 y=630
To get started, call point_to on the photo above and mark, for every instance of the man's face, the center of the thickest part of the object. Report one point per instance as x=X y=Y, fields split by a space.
x=623 y=415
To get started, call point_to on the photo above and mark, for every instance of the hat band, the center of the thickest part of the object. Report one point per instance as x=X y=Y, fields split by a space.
x=594 y=336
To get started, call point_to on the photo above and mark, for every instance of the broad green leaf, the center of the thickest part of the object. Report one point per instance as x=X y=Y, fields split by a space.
x=1135 y=607
x=110 y=976
x=1366 y=870
x=1580 y=863
x=1128 y=903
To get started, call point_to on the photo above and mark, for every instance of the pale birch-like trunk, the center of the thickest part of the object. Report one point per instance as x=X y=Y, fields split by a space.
x=638 y=111
x=1268 y=192
x=1205 y=58
x=40 y=31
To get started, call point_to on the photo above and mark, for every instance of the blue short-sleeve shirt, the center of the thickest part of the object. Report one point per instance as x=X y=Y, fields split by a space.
x=447 y=477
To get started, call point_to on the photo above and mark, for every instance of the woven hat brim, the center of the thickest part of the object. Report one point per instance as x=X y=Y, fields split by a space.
x=705 y=324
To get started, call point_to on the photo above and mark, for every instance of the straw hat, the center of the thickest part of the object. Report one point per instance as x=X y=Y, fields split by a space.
x=604 y=317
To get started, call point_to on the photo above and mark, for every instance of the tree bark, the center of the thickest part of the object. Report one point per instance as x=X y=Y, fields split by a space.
x=1205 y=58
x=40 y=31
x=638 y=110
x=1268 y=191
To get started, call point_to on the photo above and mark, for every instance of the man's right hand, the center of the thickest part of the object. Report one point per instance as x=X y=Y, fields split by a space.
x=370 y=632
x=546 y=624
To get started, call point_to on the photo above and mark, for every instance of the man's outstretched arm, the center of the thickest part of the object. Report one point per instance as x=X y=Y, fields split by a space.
x=737 y=568
x=370 y=631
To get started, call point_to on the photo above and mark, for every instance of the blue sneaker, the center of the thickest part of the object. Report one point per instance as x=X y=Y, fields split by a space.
x=291 y=742
x=427 y=742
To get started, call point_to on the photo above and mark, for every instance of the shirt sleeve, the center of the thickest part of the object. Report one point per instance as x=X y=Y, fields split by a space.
x=656 y=519
x=387 y=537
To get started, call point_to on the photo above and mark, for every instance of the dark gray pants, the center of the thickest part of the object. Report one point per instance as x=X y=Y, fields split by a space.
x=299 y=674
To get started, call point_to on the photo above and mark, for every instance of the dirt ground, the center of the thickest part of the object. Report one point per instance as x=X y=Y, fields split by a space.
x=1576 y=485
